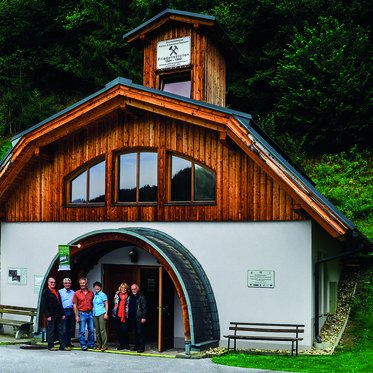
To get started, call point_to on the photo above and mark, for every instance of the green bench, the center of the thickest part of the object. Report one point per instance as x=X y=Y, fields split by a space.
x=21 y=327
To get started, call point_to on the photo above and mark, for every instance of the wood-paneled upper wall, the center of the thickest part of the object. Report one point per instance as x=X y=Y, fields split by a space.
x=208 y=66
x=243 y=191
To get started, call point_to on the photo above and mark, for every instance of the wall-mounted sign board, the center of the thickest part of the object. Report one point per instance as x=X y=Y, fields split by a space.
x=173 y=53
x=17 y=276
x=260 y=279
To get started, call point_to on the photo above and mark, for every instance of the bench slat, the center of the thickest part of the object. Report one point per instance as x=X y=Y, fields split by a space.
x=3 y=306
x=264 y=324
x=264 y=338
x=15 y=322
x=16 y=312
x=264 y=330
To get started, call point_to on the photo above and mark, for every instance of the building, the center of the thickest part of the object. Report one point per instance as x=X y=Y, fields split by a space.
x=161 y=184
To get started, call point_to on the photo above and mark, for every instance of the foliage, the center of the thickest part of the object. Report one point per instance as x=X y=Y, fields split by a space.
x=346 y=179
x=354 y=359
x=362 y=307
x=4 y=147
x=324 y=83
x=64 y=50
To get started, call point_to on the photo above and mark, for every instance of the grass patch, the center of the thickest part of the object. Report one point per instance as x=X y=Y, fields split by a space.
x=347 y=361
x=353 y=357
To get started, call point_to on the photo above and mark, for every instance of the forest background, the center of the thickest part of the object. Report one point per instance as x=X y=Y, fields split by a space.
x=305 y=75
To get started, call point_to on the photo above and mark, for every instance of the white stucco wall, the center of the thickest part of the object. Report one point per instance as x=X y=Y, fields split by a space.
x=323 y=246
x=226 y=251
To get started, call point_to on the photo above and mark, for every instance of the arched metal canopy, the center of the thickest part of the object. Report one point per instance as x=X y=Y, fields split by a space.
x=200 y=314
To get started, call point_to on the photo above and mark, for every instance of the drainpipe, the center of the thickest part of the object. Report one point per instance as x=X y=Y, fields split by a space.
x=317 y=285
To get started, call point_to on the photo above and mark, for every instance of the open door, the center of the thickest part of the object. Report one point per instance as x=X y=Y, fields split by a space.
x=165 y=311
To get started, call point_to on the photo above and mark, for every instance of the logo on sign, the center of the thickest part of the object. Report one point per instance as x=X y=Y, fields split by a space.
x=173 y=50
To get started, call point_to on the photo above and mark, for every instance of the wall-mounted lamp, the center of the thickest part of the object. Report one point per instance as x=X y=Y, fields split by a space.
x=133 y=256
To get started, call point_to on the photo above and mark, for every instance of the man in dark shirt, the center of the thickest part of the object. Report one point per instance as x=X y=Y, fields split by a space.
x=53 y=311
x=83 y=304
x=137 y=317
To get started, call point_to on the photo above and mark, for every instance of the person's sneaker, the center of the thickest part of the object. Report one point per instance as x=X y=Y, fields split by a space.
x=126 y=347
x=141 y=350
x=70 y=345
x=65 y=349
x=84 y=348
x=120 y=348
x=104 y=348
x=133 y=348
x=53 y=349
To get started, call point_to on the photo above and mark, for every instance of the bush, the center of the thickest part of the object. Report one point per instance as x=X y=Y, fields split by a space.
x=346 y=179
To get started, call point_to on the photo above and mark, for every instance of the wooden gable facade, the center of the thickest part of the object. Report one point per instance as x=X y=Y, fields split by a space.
x=244 y=191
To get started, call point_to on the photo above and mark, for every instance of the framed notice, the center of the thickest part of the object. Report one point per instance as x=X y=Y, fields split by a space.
x=17 y=276
x=38 y=280
x=173 y=53
x=260 y=279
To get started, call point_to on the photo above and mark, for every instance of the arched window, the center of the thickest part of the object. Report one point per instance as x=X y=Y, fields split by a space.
x=138 y=177
x=89 y=185
x=191 y=182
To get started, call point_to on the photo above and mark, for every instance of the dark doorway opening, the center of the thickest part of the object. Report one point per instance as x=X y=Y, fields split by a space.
x=158 y=289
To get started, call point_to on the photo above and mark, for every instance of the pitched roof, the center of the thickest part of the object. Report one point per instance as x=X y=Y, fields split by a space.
x=123 y=93
x=208 y=23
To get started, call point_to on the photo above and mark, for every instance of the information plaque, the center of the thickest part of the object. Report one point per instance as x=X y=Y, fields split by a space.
x=173 y=53
x=260 y=279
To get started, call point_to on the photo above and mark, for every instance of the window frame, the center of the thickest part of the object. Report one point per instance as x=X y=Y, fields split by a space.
x=136 y=151
x=192 y=186
x=173 y=75
x=75 y=174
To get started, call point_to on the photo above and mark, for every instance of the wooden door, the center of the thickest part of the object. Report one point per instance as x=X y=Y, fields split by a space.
x=113 y=276
x=165 y=311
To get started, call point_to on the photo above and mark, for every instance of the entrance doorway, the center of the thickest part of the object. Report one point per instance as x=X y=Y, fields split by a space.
x=158 y=290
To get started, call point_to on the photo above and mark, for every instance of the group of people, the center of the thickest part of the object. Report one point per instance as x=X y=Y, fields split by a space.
x=90 y=309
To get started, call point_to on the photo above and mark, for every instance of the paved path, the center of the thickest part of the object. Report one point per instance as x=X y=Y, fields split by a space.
x=13 y=359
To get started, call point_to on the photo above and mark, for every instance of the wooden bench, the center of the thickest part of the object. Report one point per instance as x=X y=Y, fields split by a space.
x=266 y=332
x=21 y=327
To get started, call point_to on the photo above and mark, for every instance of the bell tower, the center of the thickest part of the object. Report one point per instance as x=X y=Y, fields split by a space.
x=185 y=54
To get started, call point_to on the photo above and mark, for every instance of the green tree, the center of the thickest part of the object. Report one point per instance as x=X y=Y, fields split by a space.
x=324 y=82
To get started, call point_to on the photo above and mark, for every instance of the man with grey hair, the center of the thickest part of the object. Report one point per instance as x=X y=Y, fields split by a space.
x=67 y=295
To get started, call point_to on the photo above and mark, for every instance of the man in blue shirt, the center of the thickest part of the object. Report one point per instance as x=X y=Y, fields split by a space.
x=67 y=295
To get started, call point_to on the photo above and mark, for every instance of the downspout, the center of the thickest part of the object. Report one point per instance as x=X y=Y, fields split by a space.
x=317 y=285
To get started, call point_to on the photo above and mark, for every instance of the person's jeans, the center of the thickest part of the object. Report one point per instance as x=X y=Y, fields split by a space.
x=86 y=318
x=69 y=325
